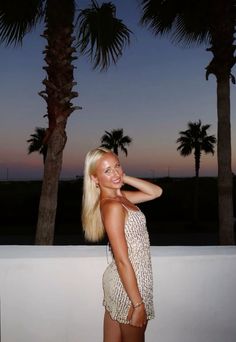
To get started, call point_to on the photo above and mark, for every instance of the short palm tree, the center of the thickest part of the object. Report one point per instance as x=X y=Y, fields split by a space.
x=196 y=140
x=36 y=142
x=116 y=140
x=94 y=31
x=212 y=23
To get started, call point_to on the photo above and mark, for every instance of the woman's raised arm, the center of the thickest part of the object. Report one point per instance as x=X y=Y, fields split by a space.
x=146 y=191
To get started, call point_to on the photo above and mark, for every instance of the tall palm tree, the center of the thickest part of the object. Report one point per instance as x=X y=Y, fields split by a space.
x=208 y=22
x=116 y=140
x=36 y=142
x=196 y=140
x=99 y=34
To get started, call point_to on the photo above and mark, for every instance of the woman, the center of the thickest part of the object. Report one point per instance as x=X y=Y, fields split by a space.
x=127 y=281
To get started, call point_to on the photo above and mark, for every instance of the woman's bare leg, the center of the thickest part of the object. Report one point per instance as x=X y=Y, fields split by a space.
x=130 y=333
x=111 y=329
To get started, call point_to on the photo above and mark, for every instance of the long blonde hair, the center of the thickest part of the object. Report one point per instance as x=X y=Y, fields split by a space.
x=91 y=215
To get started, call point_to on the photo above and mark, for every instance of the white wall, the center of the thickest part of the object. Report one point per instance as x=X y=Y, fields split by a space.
x=54 y=294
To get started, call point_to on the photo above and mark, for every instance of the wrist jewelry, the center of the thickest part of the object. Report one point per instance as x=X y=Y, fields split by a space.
x=135 y=306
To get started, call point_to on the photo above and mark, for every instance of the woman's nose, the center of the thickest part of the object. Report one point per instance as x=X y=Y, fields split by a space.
x=115 y=172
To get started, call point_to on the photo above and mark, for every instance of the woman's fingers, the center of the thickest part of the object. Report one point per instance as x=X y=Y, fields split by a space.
x=137 y=317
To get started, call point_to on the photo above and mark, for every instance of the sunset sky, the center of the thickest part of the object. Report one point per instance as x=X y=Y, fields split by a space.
x=155 y=89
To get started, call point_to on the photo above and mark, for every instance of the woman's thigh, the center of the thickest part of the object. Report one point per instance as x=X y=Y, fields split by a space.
x=130 y=333
x=111 y=329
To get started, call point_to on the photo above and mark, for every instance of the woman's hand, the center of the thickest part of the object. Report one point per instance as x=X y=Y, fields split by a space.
x=123 y=177
x=139 y=317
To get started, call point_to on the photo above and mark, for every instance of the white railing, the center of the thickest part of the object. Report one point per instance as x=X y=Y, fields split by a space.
x=54 y=294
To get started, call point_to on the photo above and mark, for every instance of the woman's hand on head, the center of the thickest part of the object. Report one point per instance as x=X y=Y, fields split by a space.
x=124 y=178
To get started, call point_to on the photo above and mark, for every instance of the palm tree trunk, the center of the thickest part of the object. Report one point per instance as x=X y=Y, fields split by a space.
x=197 y=156
x=48 y=199
x=58 y=94
x=225 y=177
x=196 y=200
x=115 y=149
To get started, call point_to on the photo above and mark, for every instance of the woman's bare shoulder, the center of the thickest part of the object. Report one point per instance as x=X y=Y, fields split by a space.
x=111 y=206
x=110 y=202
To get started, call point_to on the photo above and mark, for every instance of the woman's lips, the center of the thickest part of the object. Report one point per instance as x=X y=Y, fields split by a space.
x=118 y=180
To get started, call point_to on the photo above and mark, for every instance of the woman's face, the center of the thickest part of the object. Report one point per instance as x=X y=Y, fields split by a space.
x=109 y=173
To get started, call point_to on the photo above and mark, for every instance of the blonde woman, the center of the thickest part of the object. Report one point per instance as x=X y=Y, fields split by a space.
x=127 y=281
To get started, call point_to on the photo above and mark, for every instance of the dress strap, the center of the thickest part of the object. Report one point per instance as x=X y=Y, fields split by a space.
x=130 y=209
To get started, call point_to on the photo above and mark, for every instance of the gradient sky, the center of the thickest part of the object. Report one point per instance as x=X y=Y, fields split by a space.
x=155 y=89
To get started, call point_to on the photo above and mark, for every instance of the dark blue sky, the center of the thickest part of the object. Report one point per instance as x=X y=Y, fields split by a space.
x=152 y=93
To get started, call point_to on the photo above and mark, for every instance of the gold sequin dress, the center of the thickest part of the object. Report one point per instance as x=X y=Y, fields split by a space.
x=116 y=301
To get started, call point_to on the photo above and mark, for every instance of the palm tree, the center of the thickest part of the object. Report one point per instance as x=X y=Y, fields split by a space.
x=196 y=140
x=116 y=140
x=36 y=142
x=208 y=22
x=100 y=35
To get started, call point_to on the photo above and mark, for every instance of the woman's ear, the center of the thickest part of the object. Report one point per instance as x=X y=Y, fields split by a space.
x=94 y=179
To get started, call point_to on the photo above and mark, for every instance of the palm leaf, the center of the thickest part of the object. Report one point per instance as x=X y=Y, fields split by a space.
x=101 y=35
x=18 y=18
x=184 y=21
x=115 y=140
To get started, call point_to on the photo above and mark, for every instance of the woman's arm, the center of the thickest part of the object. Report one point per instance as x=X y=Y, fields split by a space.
x=146 y=191
x=113 y=215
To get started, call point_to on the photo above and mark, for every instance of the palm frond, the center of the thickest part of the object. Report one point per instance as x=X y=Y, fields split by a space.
x=115 y=140
x=185 y=22
x=124 y=150
x=126 y=140
x=158 y=15
x=18 y=18
x=101 y=35
x=36 y=141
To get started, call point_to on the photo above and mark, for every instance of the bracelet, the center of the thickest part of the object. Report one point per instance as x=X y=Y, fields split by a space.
x=135 y=306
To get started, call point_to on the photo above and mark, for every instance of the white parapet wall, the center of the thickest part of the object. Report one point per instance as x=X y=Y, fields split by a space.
x=54 y=294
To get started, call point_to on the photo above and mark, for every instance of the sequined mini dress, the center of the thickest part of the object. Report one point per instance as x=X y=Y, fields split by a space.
x=116 y=300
